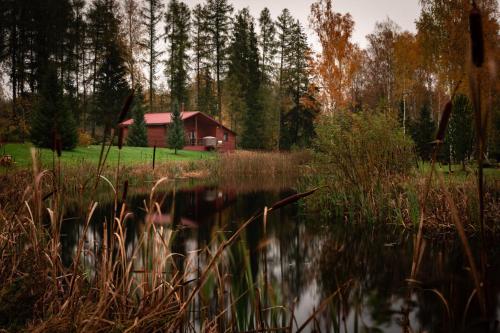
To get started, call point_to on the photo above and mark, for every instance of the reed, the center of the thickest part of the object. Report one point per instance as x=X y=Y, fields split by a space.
x=125 y=289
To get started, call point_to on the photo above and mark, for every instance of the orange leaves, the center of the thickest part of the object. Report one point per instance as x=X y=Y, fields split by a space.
x=336 y=63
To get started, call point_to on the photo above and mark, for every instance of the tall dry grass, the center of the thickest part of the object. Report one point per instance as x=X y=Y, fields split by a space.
x=110 y=285
x=127 y=289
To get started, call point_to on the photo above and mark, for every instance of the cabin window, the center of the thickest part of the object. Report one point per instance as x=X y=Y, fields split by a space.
x=226 y=137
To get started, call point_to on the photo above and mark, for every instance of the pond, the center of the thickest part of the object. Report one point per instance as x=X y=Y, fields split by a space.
x=294 y=261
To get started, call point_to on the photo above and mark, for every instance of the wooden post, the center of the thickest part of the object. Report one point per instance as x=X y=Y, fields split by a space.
x=196 y=130
x=154 y=156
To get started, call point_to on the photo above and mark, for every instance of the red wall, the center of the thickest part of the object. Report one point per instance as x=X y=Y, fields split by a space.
x=157 y=135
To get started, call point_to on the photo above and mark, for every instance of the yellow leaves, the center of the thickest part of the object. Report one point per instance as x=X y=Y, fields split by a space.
x=337 y=63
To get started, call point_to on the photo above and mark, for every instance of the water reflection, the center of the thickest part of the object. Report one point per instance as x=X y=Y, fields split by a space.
x=296 y=261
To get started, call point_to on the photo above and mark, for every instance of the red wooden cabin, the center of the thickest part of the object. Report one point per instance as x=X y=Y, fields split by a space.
x=202 y=131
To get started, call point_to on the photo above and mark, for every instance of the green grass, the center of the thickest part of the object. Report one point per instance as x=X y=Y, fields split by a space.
x=457 y=171
x=129 y=155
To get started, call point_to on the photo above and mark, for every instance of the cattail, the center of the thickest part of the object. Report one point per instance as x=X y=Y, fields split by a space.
x=443 y=122
x=120 y=138
x=476 y=35
x=58 y=146
x=154 y=156
x=291 y=199
x=54 y=136
x=126 y=107
x=125 y=190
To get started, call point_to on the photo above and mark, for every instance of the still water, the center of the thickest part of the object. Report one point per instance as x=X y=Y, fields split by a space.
x=296 y=260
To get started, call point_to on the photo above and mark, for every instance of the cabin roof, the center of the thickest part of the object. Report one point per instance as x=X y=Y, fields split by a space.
x=165 y=118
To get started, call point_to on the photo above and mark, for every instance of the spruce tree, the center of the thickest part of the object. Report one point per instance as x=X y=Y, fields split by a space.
x=219 y=21
x=103 y=28
x=461 y=134
x=207 y=100
x=137 y=134
x=152 y=14
x=178 y=25
x=112 y=85
x=297 y=119
x=284 y=24
x=52 y=118
x=201 y=50
x=422 y=132
x=245 y=78
x=175 y=132
x=268 y=45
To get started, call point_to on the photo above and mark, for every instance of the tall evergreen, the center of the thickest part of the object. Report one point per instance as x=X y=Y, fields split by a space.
x=219 y=21
x=461 y=134
x=422 y=132
x=103 y=28
x=201 y=58
x=137 y=134
x=177 y=28
x=207 y=100
x=268 y=45
x=52 y=118
x=112 y=85
x=134 y=30
x=175 y=132
x=284 y=24
x=245 y=78
x=297 y=120
x=152 y=14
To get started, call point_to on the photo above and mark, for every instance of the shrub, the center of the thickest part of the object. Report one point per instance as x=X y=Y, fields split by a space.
x=361 y=157
x=84 y=139
x=360 y=149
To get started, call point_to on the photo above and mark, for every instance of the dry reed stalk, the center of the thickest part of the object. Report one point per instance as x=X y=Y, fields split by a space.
x=465 y=243
x=322 y=306
x=231 y=240
x=443 y=123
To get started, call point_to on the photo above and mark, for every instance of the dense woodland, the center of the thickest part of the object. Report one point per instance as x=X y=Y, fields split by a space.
x=72 y=63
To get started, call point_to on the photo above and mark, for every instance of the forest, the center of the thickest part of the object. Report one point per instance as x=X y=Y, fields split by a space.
x=260 y=76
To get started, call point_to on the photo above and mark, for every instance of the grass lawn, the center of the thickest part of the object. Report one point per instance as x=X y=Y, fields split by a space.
x=458 y=172
x=129 y=155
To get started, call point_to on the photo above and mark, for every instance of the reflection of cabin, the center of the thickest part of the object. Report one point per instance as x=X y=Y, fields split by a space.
x=202 y=131
x=196 y=206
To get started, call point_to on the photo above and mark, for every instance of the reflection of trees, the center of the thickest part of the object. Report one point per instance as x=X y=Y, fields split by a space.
x=289 y=258
x=292 y=253
x=380 y=274
x=446 y=271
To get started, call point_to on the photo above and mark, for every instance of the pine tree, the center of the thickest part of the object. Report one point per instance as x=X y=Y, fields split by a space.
x=52 y=118
x=268 y=45
x=461 y=134
x=297 y=120
x=284 y=24
x=103 y=28
x=175 y=133
x=178 y=25
x=201 y=58
x=422 y=132
x=152 y=14
x=112 y=85
x=134 y=35
x=245 y=78
x=219 y=20
x=137 y=135
x=207 y=100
